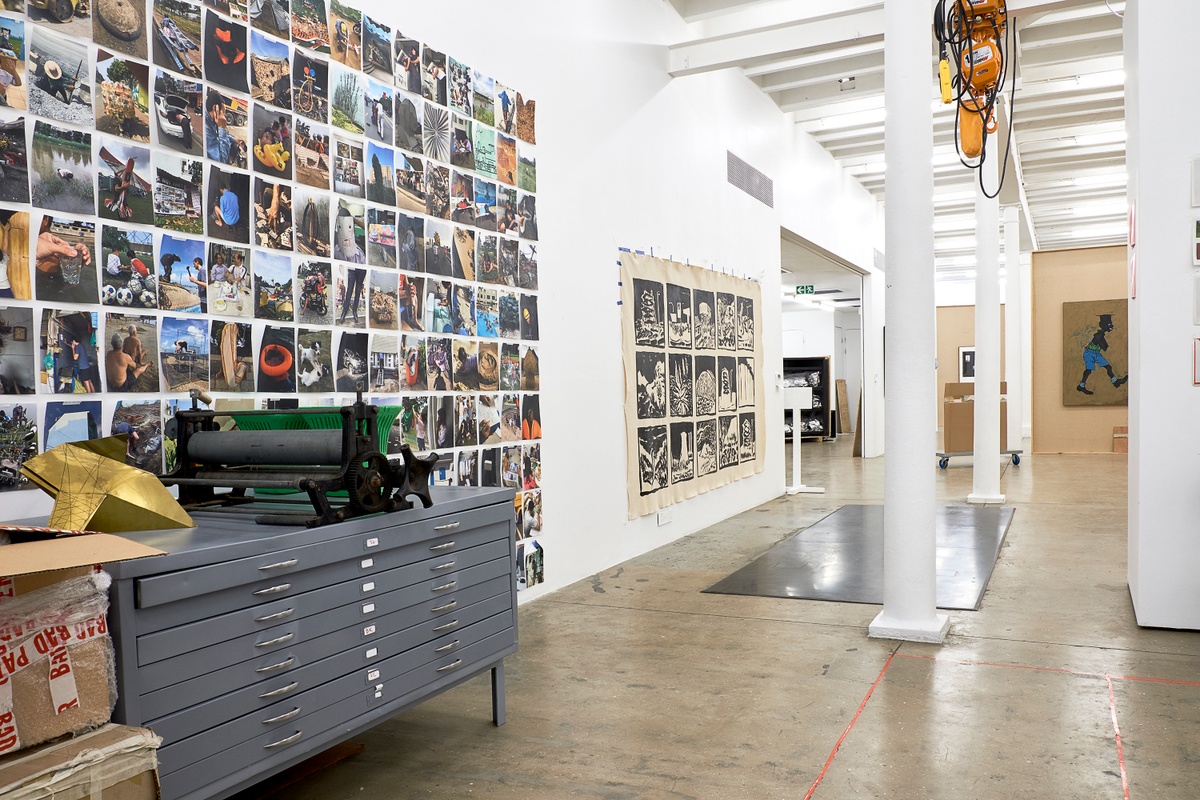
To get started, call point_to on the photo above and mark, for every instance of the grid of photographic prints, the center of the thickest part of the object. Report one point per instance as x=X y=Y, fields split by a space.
x=272 y=200
x=693 y=390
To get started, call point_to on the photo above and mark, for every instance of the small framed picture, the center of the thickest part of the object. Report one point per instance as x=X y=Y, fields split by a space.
x=966 y=365
x=20 y=333
x=1196 y=243
x=1196 y=362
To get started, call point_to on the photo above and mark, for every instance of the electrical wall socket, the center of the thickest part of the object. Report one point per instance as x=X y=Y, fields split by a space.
x=664 y=517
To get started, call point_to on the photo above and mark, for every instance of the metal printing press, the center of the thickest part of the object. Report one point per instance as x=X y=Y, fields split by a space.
x=300 y=458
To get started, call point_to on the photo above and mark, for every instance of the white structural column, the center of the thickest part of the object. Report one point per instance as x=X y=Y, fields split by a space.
x=909 y=592
x=1014 y=368
x=985 y=483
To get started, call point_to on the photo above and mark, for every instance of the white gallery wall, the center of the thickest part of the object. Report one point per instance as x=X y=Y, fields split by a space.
x=629 y=157
x=1164 y=440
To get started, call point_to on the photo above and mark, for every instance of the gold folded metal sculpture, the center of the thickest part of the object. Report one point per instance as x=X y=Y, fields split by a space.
x=94 y=489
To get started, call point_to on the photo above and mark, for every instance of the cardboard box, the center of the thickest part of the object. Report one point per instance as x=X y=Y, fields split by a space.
x=958 y=418
x=113 y=763
x=56 y=658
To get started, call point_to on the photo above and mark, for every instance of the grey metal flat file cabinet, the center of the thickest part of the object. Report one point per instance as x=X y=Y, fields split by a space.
x=249 y=648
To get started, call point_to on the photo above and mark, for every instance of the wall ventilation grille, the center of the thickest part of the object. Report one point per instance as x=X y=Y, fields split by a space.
x=750 y=180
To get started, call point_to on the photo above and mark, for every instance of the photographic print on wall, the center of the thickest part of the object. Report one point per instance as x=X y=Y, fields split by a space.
x=693 y=393
x=275 y=200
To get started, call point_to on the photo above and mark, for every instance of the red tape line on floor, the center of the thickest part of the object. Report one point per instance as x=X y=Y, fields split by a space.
x=849 y=727
x=1112 y=704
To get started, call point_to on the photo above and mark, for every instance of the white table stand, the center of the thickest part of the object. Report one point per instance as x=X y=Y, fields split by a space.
x=798 y=399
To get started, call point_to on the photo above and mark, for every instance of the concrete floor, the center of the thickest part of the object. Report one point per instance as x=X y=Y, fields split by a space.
x=633 y=684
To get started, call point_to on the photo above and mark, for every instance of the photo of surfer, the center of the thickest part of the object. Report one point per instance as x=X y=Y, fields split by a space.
x=351 y=365
x=487 y=266
x=183 y=352
x=228 y=207
x=314 y=360
x=410 y=133
x=182 y=280
x=273 y=226
x=414 y=370
x=65 y=261
x=315 y=283
x=273 y=287
x=277 y=359
x=529 y=317
x=410 y=239
x=527 y=277
x=225 y=49
x=509 y=262
x=311 y=211
x=228 y=279
x=381 y=299
x=410 y=183
x=464 y=253
x=232 y=361
x=385 y=365
x=438 y=260
x=510 y=315
x=438 y=356
x=141 y=425
x=131 y=355
x=412 y=303
x=381 y=237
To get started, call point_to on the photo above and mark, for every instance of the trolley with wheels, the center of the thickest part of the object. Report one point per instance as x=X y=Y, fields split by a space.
x=944 y=458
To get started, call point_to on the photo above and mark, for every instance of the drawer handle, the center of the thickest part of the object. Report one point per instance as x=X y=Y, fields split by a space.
x=281 y=665
x=291 y=562
x=287 y=637
x=441 y=567
x=451 y=624
x=295 y=712
x=283 y=587
x=282 y=742
x=280 y=692
x=449 y=667
x=446 y=546
x=447 y=647
x=447 y=607
x=444 y=586
x=272 y=617
x=450 y=526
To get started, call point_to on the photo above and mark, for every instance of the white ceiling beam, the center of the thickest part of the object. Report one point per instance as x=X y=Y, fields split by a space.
x=738 y=16
x=815 y=58
x=778 y=41
x=799 y=77
x=818 y=95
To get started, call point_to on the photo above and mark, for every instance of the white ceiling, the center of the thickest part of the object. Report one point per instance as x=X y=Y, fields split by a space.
x=838 y=286
x=1067 y=168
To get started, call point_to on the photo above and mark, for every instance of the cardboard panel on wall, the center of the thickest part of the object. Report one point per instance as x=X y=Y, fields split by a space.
x=1096 y=353
x=693 y=401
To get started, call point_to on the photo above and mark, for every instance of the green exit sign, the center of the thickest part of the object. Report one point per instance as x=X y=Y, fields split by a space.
x=805 y=289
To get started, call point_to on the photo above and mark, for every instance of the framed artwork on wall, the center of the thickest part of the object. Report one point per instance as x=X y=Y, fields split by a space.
x=966 y=365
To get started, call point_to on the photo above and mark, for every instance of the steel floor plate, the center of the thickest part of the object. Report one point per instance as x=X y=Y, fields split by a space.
x=841 y=558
